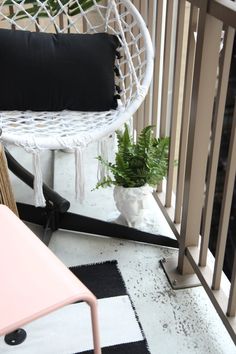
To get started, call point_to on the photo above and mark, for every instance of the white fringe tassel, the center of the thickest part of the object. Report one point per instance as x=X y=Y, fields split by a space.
x=103 y=150
x=39 y=200
x=79 y=175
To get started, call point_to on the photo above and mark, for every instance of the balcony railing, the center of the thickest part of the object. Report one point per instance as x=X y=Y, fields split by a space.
x=193 y=48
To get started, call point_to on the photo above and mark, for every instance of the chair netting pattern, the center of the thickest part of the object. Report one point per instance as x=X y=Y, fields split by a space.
x=35 y=131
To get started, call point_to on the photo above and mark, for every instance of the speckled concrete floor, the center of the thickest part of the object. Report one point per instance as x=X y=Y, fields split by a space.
x=182 y=321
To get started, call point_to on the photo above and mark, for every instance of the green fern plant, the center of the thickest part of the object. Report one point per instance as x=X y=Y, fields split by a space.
x=137 y=163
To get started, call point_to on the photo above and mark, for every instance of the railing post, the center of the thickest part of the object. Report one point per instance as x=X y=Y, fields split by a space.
x=206 y=82
x=231 y=310
x=203 y=93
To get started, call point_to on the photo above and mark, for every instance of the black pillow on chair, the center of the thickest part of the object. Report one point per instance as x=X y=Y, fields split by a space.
x=52 y=72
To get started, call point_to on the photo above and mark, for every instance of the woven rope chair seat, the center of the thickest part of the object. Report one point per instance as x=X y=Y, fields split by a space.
x=36 y=131
x=71 y=129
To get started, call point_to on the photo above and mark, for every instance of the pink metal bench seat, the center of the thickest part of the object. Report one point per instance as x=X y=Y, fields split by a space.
x=33 y=280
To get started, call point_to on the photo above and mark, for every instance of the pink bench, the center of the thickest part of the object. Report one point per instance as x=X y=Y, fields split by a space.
x=34 y=282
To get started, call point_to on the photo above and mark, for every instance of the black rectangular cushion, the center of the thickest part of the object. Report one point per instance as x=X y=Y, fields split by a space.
x=53 y=72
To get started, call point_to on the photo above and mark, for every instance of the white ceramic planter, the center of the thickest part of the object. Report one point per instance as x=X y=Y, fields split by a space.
x=136 y=206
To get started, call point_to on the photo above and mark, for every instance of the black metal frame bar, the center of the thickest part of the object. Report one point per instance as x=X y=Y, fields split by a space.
x=55 y=215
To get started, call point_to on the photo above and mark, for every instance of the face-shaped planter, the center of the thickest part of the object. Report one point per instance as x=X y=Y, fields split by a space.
x=136 y=206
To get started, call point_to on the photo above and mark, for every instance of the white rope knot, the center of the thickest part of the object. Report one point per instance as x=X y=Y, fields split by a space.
x=141 y=91
x=39 y=200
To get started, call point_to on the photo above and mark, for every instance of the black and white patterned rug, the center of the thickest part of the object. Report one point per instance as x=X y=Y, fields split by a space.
x=68 y=330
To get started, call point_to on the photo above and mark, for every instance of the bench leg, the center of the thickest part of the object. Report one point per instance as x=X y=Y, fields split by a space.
x=95 y=327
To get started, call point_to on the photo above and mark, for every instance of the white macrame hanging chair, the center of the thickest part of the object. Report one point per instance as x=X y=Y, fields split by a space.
x=37 y=131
